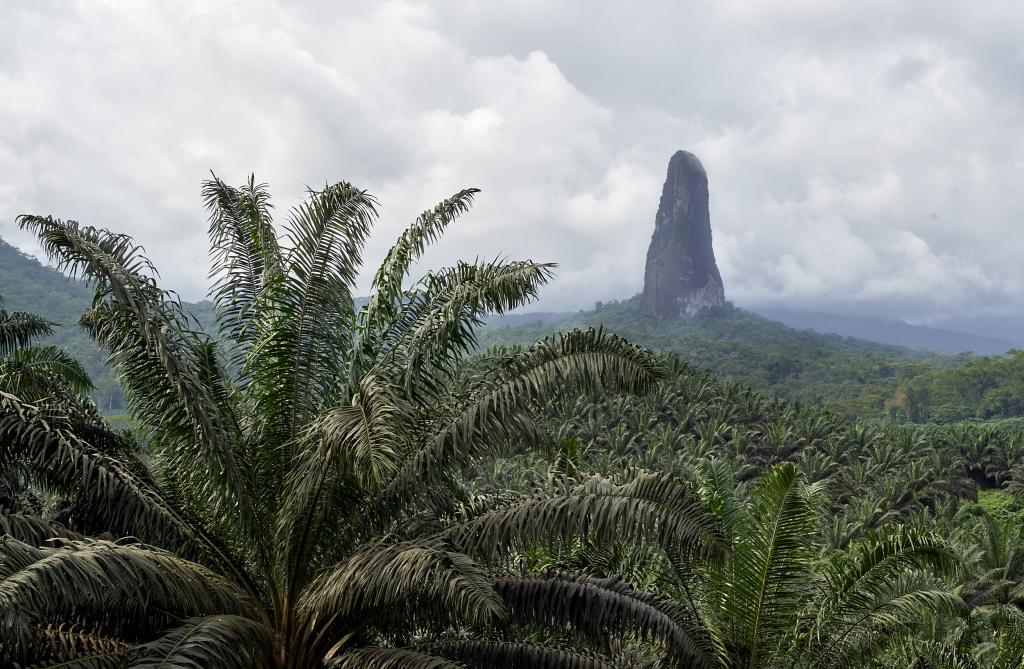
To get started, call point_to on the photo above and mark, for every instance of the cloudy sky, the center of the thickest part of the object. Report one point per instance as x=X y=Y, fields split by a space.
x=862 y=155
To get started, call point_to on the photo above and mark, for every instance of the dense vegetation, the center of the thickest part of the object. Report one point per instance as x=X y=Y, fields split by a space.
x=980 y=388
x=316 y=480
x=29 y=286
x=292 y=494
x=852 y=377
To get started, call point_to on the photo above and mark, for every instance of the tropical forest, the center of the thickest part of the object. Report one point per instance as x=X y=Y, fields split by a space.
x=292 y=414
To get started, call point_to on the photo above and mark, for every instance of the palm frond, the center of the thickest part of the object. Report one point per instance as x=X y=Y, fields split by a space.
x=19 y=329
x=391 y=658
x=489 y=417
x=154 y=346
x=245 y=255
x=42 y=370
x=209 y=642
x=594 y=608
x=880 y=589
x=718 y=489
x=350 y=449
x=438 y=322
x=32 y=530
x=298 y=363
x=393 y=580
x=40 y=584
x=82 y=457
x=427 y=228
x=655 y=507
x=70 y=646
x=483 y=654
x=772 y=564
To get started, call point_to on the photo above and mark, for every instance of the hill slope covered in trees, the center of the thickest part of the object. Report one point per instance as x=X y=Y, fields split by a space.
x=851 y=376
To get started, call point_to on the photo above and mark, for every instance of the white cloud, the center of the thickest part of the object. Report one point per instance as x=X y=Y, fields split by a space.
x=862 y=154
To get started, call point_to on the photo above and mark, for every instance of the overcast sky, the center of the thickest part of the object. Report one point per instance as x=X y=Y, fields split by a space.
x=862 y=155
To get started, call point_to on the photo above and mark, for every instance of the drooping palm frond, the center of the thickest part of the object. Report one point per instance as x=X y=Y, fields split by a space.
x=415 y=577
x=486 y=419
x=349 y=449
x=391 y=658
x=594 y=607
x=19 y=329
x=876 y=592
x=655 y=507
x=208 y=642
x=67 y=645
x=86 y=582
x=76 y=454
x=483 y=654
x=39 y=371
x=33 y=530
x=39 y=583
x=154 y=347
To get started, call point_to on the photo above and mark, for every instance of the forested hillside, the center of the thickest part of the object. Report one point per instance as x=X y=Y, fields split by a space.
x=853 y=377
x=28 y=285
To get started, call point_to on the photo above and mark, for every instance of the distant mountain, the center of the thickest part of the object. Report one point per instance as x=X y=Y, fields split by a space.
x=28 y=285
x=890 y=331
x=1006 y=326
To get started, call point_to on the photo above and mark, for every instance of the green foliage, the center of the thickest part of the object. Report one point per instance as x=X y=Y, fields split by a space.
x=296 y=496
x=30 y=286
x=852 y=377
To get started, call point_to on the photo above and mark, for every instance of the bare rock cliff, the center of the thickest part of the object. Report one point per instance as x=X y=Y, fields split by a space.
x=682 y=277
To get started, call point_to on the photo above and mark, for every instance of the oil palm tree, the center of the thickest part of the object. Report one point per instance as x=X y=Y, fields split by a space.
x=779 y=602
x=295 y=502
x=50 y=377
x=34 y=371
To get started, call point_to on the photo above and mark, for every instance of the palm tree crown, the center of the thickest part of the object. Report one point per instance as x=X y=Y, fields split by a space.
x=296 y=501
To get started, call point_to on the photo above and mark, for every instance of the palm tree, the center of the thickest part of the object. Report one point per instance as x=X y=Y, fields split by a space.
x=297 y=499
x=32 y=371
x=52 y=379
x=778 y=601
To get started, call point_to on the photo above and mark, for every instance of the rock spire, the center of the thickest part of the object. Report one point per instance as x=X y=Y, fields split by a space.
x=682 y=277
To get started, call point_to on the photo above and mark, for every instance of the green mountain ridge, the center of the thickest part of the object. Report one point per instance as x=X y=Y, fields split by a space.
x=852 y=376
x=26 y=284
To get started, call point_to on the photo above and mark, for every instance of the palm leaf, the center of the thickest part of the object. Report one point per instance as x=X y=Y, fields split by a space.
x=20 y=329
x=39 y=584
x=42 y=370
x=594 y=608
x=515 y=654
x=210 y=642
x=245 y=255
x=152 y=343
x=391 y=658
x=392 y=580
x=428 y=227
x=772 y=565
x=649 y=506
x=488 y=418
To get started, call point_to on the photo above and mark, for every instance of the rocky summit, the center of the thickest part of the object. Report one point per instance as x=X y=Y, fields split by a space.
x=682 y=277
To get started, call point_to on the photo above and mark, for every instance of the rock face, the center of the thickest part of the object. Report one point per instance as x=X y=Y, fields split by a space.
x=682 y=277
